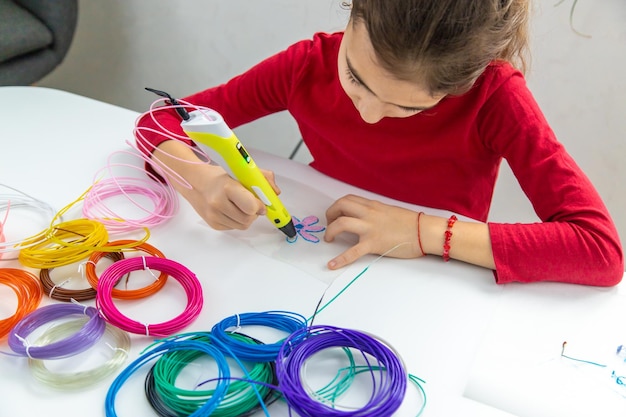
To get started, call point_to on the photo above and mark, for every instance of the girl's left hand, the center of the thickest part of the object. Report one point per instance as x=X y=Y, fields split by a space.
x=380 y=228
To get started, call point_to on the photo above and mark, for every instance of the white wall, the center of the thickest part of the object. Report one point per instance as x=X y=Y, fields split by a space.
x=182 y=46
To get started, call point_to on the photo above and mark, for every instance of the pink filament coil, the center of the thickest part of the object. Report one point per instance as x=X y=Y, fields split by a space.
x=182 y=274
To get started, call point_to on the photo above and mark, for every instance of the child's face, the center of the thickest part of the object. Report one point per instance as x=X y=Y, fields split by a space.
x=374 y=92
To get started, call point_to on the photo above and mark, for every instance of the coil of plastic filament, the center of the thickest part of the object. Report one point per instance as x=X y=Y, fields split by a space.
x=57 y=292
x=80 y=341
x=285 y=321
x=80 y=379
x=155 y=286
x=244 y=396
x=163 y=200
x=64 y=244
x=387 y=372
x=162 y=348
x=28 y=292
x=19 y=200
x=181 y=273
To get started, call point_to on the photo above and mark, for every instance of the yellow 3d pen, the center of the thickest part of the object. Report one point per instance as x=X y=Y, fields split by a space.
x=207 y=127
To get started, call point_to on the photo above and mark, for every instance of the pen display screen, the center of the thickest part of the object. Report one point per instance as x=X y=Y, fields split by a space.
x=243 y=152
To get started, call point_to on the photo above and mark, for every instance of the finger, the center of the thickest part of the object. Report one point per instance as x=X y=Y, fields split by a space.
x=348 y=257
x=238 y=210
x=349 y=205
x=269 y=175
x=229 y=217
x=244 y=201
x=344 y=225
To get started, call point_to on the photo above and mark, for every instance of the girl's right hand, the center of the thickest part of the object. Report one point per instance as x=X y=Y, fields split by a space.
x=220 y=200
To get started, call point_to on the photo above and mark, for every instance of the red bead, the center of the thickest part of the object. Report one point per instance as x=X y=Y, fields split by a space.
x=447 y=235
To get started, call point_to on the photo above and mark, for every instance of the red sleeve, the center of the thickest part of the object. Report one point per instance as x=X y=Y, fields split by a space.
x=576 y=240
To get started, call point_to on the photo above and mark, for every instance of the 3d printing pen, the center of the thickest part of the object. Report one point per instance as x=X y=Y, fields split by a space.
x=207 y=127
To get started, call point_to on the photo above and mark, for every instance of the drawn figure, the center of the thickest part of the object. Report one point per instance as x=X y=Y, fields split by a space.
x=305 y=228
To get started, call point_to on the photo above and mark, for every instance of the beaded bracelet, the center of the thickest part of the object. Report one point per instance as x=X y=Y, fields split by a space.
x=447 y=235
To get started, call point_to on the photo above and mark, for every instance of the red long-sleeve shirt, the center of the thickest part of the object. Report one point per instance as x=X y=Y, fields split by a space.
x=446 y=157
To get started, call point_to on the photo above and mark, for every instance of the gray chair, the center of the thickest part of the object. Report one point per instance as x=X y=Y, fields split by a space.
x=35 y=36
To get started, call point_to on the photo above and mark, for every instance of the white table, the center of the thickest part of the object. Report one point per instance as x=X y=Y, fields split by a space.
x=483 y=349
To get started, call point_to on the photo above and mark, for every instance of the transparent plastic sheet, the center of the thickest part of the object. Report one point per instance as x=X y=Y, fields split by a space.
x=302 y=252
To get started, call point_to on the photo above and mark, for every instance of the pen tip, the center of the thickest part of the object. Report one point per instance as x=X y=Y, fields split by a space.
x=289 y=229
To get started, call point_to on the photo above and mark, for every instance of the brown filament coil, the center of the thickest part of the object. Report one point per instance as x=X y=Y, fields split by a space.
x=59 y=293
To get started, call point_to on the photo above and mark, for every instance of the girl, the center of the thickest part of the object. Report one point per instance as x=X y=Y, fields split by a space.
x=418 y=100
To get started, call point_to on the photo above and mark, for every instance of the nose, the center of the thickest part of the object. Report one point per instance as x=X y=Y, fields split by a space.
x=370 y=109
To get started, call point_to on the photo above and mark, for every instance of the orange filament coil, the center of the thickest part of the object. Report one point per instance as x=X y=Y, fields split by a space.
x=90 y=271
x=28 y=291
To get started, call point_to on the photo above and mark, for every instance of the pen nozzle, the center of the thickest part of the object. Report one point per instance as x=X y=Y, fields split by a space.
x=289 y=229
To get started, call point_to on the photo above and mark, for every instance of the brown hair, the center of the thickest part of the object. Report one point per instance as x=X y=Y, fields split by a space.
x=444 y=44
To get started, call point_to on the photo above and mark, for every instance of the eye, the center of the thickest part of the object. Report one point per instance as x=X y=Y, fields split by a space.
x=351 y=77
x=409 y=110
